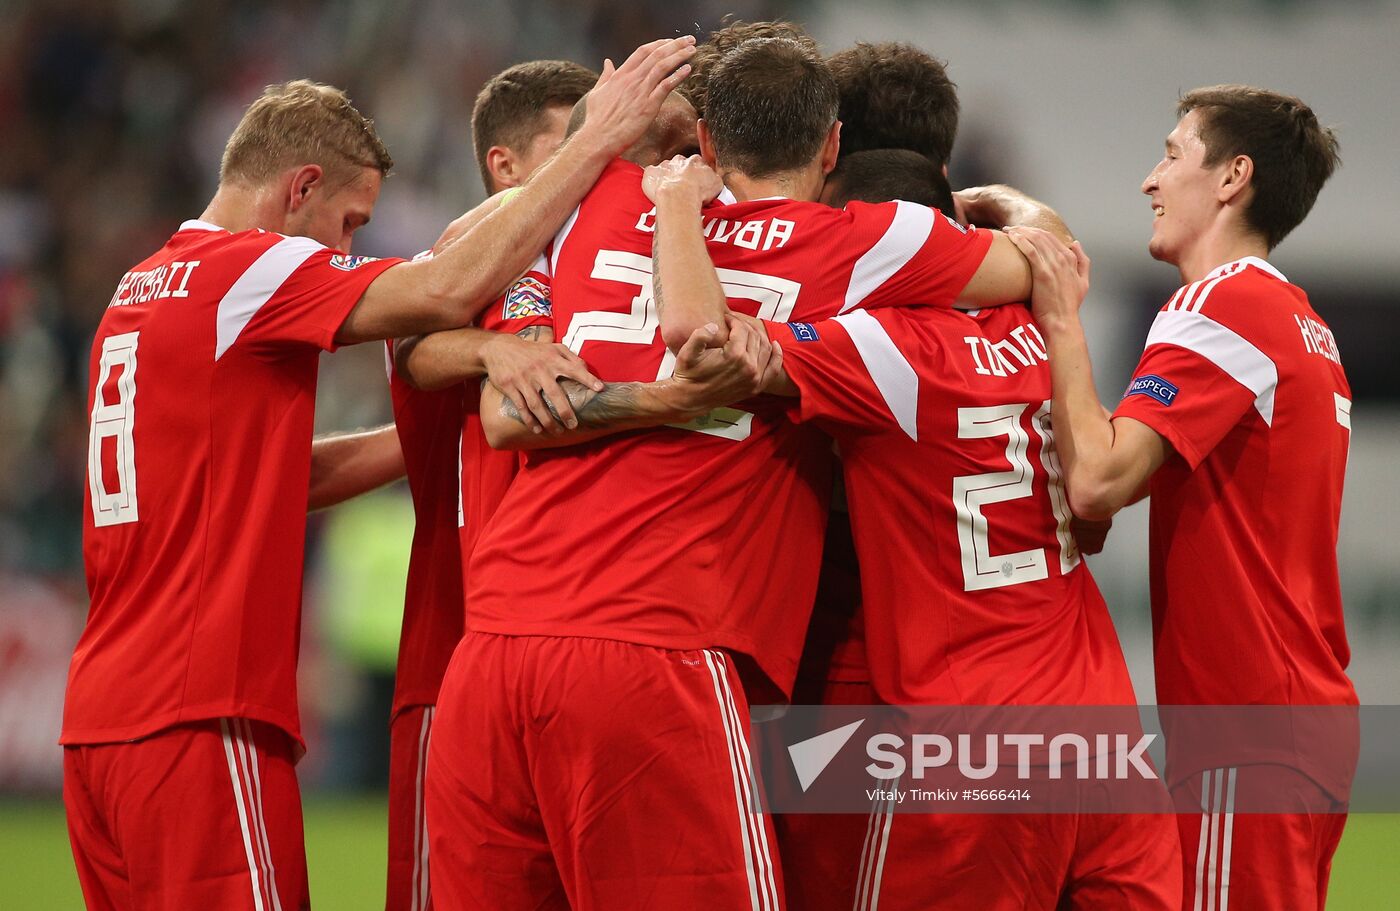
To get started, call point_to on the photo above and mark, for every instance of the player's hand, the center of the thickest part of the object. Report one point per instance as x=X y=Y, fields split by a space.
x=1060 y=273
x=984 y=207
x=690 y=177
x=528 y=373
x=709 y=377
x=1090 y=536
x=626 y=99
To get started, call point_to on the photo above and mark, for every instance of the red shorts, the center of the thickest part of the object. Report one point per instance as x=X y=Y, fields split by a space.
x=201 y=815
x=1001 y=862
x=408 y=888
x=821 y=851
x=1247 y=861
x=594 y=774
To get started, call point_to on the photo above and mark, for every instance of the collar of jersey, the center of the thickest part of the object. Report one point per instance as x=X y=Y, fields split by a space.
x=194 y=224
x=726 y=197
x=1238 y=264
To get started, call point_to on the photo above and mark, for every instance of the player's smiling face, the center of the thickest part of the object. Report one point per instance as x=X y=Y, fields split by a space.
x=1183 y=192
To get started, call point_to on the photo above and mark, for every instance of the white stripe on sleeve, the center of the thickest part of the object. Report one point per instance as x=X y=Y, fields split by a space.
x=906 y=235
x=256 y=287
x=888 y=367
x=1224 y=348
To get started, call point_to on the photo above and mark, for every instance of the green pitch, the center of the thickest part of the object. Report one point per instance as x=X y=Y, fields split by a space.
x=345 y=851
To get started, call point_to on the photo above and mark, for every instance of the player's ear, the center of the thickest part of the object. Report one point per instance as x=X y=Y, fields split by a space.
x=831 y=149
x=1236 y=176
x=306 y=180
x=707 y=145
x=501 y=164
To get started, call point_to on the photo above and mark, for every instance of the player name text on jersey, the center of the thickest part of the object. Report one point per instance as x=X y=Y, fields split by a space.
x=771 y=233
x=990 y=358
x=167 y=281
x=1318 y=339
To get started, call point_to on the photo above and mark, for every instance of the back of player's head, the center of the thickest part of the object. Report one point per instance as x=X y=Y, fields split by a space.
x=1293 y=154
x=880 y=175
x=732 y=33
x=895 y=96
x=300 y=123
x=769 y=106
x=510 y=108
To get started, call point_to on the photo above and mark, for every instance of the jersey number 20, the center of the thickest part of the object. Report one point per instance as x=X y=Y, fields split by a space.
x=983 y=569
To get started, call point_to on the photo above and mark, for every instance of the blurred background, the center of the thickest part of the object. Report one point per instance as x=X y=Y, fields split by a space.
x=113 y=114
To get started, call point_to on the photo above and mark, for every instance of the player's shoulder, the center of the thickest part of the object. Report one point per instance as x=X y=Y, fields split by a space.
x=1241 y=292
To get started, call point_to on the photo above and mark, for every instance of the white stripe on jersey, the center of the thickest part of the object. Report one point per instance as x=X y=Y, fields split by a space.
x=1200 y=300
x=1224 y=348
x=1343 y=409
x=559 y=239
x=888 y=367
x=256 y=287
x=906 y=235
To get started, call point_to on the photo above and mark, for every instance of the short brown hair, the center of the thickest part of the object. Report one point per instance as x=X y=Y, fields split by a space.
x=730 y=34
x=880 y=175
x=302 y=122
x=510 y=107
x=895 y=96
x=1293 y=154
x=769 y=105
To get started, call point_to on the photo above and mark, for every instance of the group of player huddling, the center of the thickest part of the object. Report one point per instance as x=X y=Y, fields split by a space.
x=677 y=318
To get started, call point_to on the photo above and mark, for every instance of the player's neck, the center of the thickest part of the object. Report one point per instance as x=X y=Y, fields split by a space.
x=798 y=185
x=240 y=208
x=1214 y=249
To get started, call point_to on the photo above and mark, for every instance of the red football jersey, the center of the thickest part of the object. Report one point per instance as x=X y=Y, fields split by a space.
x=456 y=481
x=429 y=426
x=707 y=534
x=1245 y=380
x=974 y=591
x=203 y=386
x=484 y=474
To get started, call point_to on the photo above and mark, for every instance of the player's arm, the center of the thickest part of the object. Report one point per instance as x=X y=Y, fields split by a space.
x=1106 y=461
x=705 y=377
x=684 y=283
x=525 y=367
x=345 y=465
x=451 y=288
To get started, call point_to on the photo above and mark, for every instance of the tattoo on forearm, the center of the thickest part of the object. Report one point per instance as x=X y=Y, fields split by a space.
x=656 y=269
x=533 y=333
x=596 y=410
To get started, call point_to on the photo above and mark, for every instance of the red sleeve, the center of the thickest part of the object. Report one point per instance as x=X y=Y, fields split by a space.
x=525 y=304
x=298 y=292
x=1197 y=380
x=849 y=373
x=911 y=254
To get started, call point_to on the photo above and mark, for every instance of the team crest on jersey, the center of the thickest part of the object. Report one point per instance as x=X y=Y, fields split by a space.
x=348 y=263
x=527 y=297
x=804 y=332
x=1154 y=387
x=954 y=222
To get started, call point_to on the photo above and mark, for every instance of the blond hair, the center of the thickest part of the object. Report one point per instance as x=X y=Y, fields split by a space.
x=297 y=123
